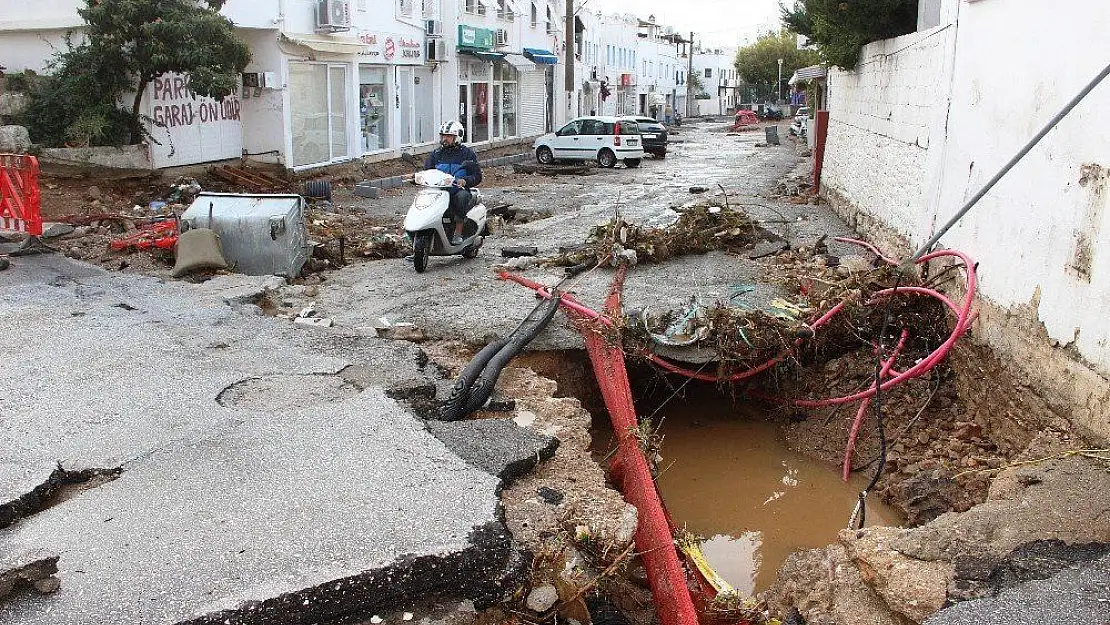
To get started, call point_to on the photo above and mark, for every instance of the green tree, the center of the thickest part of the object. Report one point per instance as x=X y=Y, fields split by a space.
x=840 y=28
x=127 y=44
x=758 y=63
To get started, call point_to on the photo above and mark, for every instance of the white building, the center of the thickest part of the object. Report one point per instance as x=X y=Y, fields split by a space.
x=367 y=80
x=928 y=118
x=331 y=81
x=719 y=80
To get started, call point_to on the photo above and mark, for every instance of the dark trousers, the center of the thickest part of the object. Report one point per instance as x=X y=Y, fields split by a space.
x=460 y=199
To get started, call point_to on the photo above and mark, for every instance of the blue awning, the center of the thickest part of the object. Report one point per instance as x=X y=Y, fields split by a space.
x=540 y=56
x=482 y=54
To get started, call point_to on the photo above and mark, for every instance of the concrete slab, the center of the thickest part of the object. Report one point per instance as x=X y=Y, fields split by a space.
x=498 y=446
x=267 y=477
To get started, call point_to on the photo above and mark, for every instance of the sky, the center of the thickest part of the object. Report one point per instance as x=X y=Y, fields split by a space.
x=716 y=23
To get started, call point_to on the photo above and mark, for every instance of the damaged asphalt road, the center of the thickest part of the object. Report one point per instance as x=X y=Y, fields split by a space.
x=265 y=507
x=460 y=299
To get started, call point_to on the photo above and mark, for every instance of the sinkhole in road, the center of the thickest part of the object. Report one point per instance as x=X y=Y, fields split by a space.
x=725 y=473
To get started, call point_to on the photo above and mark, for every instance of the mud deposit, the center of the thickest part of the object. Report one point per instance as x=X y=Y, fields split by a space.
x=726 y=475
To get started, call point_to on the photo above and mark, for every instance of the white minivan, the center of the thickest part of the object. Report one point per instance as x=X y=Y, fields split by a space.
x=604 y=139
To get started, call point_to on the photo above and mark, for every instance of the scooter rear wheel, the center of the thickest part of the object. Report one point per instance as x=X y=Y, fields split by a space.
x=421 y=248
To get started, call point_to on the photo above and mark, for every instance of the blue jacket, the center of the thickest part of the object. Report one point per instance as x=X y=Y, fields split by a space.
x=450 y=161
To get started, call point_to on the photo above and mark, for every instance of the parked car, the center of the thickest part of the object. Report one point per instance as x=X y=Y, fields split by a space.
x=604 y=139
x=653 y=134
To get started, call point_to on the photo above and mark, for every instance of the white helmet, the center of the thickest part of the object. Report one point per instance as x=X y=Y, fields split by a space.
x=452 y=128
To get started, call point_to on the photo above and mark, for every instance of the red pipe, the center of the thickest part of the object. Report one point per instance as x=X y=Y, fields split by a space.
x=654 y=537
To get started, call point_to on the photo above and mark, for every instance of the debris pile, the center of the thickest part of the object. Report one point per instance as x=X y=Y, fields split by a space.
x=700 y=228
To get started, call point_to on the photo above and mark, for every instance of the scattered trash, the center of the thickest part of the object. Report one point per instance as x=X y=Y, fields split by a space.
x=402 y=331
x=407 y=616
x=197 y=250
x=376 y=620
x=310 y=317
x=157 y=235
x=183 y=191
x=519 y=251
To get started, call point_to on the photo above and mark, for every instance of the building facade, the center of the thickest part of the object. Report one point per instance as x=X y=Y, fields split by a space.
x=332 y=81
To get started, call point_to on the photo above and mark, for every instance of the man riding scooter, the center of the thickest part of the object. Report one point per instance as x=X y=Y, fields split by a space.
x=455 y=159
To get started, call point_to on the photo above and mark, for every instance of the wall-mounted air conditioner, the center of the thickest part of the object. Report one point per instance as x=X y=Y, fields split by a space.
x=437 y=51
x=333 y=15
x=501 y=37
x=433 y=28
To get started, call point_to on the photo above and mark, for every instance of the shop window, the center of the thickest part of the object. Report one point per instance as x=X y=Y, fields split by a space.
x=318 y=110
x=374 y=109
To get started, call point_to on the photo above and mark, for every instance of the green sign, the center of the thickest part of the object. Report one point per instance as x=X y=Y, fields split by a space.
x=472 y=37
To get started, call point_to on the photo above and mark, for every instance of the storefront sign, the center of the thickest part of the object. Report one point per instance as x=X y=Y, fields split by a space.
x=626 y=80
x=473 y=37
x=389 y=48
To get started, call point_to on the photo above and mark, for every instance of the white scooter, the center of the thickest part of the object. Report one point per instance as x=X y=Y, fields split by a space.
x=429 y=226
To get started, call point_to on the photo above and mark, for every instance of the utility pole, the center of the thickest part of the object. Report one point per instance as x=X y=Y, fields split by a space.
x=570 y=43
x=689 y=73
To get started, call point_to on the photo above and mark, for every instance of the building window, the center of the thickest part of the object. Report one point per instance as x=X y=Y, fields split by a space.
x=709 y=72
x=318 y=103
x=535 y=16
x=406 y=7
x=373 y=109
x=550 y=22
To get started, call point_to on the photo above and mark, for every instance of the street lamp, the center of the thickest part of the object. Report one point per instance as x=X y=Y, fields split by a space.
x=780 y=82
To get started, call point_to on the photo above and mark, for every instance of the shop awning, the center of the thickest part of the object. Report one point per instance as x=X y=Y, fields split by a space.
x=332 y=45
x=808 y=73
x=519 y=62
x=485 y=55
x=541 y=57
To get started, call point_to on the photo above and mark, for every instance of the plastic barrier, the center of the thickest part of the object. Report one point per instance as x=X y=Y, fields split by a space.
x=20 y=199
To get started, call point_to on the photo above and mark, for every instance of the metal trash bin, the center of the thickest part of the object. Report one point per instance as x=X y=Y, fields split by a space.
x=772 y=133
x=260 y=234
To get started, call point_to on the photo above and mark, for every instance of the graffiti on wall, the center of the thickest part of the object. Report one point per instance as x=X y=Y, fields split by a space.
x=188 y=128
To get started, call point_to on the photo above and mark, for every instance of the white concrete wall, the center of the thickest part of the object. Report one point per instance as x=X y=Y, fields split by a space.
x=928 y=118
x=881 y=120
x=1044 y=229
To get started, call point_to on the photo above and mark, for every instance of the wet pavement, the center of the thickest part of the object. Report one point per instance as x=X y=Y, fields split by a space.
x=266 y=472
x=460 y=299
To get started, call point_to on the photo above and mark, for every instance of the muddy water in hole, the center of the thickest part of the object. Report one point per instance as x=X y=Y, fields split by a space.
x=727 y=476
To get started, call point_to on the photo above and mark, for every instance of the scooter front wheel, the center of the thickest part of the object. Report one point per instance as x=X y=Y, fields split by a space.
x=421 y=248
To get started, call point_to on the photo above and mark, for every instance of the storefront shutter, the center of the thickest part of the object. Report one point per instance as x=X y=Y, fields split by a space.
x=533 y=105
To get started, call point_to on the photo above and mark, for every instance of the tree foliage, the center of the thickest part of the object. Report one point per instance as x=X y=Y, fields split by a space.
x=758 y=63
x=840 y=28
x=127 y=44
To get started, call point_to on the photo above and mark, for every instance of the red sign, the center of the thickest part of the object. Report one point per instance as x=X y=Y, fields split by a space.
x=626 y=80
x=390 y=49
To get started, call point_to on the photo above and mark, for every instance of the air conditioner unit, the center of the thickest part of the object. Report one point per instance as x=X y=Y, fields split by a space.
x=333 y=15
x=437 y=51
x=433 y=28
x=501 y=37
